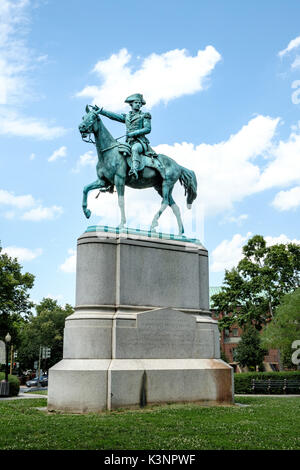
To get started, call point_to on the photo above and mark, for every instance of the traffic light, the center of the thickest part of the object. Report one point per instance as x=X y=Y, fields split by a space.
x=46 y=352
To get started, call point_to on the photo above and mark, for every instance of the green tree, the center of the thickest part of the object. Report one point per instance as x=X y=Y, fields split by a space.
x=254 y=288
x=284 y=327
x=44 y=329
x=249 y=352
x=15 y=304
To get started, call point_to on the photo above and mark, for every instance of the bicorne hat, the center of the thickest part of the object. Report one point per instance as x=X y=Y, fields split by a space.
x=136 y=96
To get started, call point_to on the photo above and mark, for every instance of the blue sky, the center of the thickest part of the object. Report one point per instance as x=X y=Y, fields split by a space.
x=222 y=82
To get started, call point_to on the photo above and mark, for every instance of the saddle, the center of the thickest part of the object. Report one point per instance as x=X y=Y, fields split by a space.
x=149 y=159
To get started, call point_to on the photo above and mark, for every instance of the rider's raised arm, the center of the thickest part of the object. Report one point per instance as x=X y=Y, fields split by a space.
x=114 y=116
x=146 y=129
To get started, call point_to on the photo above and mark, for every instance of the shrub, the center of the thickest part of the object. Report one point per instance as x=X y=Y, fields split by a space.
x=249 y=351
x=14 y=384
x=243 y=381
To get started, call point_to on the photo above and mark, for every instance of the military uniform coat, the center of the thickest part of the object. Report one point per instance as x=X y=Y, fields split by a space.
x=137 y=126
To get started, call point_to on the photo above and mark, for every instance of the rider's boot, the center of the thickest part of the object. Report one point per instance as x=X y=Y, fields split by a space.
x=134 y=169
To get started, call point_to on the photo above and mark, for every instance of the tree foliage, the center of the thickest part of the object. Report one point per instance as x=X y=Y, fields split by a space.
x=15 y=303
x=254 y=288
x=284 y=327
x=44 y=329
x=249 y=351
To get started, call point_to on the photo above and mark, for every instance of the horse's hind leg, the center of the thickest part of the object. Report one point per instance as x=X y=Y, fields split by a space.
x=164 y=193
x=176 y=212
x=120 y=186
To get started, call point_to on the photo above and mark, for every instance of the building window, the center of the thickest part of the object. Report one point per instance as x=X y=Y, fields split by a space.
x=235 y=332
x=226 y=332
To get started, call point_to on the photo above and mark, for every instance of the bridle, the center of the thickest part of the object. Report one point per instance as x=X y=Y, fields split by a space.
x=89 y=140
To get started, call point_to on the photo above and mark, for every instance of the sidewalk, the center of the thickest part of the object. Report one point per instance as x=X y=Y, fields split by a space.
x=24 y=395
x=265 y=395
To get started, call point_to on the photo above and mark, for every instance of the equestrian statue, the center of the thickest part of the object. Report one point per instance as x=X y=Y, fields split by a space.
x=133 y=163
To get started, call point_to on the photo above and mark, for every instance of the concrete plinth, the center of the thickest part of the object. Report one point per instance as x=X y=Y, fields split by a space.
x=142 y=331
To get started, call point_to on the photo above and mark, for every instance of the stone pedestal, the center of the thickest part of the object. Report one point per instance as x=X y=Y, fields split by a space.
x=142 y=332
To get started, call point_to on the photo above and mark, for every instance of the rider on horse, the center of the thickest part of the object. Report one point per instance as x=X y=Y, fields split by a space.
x=138 y=124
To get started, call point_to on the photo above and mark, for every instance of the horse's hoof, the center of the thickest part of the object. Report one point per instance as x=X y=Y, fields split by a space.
x=87 y=213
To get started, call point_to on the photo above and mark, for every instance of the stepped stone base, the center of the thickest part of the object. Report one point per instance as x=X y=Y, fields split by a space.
x=92 y=385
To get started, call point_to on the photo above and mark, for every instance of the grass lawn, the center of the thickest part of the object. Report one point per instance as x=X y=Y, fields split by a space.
x=267 y=423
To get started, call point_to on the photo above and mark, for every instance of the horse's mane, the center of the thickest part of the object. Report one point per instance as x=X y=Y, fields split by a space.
x=106 y=138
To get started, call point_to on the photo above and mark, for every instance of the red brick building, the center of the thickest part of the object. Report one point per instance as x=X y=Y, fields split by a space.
x=230 y=338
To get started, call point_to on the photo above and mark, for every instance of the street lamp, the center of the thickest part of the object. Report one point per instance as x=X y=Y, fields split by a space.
x=7 y=341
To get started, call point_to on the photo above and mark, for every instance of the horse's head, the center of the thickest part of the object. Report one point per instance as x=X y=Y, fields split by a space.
x=89 y=122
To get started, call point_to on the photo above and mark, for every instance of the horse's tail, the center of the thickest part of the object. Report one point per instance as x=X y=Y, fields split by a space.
x=188 y=179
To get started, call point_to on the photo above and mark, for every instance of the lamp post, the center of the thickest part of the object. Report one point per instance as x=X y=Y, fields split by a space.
x=7 y=342
x=4 y=384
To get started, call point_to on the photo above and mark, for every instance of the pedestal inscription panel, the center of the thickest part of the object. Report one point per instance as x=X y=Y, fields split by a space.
x=165 y=334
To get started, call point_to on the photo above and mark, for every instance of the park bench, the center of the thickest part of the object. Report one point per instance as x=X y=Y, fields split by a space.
x=277 y=385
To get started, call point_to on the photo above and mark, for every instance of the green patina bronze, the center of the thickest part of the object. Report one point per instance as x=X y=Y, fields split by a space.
x=134 y=163
x=145 y=233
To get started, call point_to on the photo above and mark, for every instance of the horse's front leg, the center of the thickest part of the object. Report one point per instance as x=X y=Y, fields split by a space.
x=120 y=186
x=95 y=185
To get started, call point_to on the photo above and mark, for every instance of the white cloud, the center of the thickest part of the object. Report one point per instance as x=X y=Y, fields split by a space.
x=17 y=62
x=42 y=213
x=293 y=44
x=287 y=200
x=228 y=253
x=14 y=55
x=235 y=219
x=20 y=202
x=69 y=265
x=226 y=171
x=9 y=215
x=59 y=153
x=36 y=213
x=13 y=124
x=160 y=78
x=281 y=239
x=87 y=159
x=284 y=166
x=32 y=156
x=296 y=63
x=58 y=297
x=23 y=254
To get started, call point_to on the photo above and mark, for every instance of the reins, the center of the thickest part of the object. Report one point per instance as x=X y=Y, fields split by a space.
x=90 y=141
